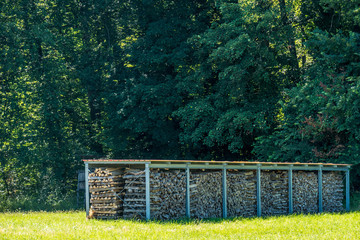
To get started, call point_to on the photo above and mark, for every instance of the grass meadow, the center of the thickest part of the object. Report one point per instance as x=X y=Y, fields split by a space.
x=74 y=225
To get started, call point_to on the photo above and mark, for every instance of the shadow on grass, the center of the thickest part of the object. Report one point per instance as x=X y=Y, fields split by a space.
x=192 y=221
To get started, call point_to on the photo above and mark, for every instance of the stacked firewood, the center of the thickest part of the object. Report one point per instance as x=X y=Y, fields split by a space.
x=305 y=192
x=134 y=199
x=206 y=194
x=119 y=192
x=333 y=191
x=274 y=192
x=168 y=194
x=241 y=193
x=106 y=186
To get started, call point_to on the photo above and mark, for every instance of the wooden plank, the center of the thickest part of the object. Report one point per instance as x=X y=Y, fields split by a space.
x=139 y=210
x=108 y=212
x=105 y=178
x=134 y=176
x=142 y=161
x=105 y=189
x=105 y=201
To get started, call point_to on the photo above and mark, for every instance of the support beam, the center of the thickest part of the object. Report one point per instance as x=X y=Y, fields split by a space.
x=347 y=190
x=188 y=192
x=87 y=204
x=320 y=189
x=258 y=190
x=224 y=192
x=290 y=177
x=147 y=189
x=245 y=167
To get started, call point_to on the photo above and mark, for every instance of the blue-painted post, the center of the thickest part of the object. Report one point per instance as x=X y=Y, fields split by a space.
x=258 y=190
x=224 y=191
x=87 y=204
x=290 y=177
x=347 y=190
x=147 y=190
x=320 y=189
x=187 y=192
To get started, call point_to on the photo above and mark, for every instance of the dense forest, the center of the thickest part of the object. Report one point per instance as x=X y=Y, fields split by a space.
x=268 y=80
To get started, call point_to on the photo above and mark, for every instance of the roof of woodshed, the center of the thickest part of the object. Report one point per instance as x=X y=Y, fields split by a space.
x=126 y=161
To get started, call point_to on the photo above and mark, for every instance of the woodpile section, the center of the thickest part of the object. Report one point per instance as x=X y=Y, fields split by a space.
x=168 y=200
x=305 y=192
x=134 y=194
x=206 y=194
x=274 y=192
x=121 y=193
x=332 y=193
x=241 y=193
x=106 y=188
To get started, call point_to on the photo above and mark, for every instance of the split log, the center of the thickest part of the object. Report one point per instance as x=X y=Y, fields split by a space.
x=241 y=193
x=206 y=195
x=332 y=193
x=274 y=192
x=106 y=186
x=305 y=192
x=170 y=199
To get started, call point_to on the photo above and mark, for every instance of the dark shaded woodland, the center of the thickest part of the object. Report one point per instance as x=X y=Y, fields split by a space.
x=191 y=79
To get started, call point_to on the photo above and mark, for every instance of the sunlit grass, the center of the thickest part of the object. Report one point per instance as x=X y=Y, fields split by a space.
x=73 y=225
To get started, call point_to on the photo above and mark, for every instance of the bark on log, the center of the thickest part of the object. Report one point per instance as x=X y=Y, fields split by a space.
x=241 y=192
x=305 y=192
x=120 y=192
x=274 y=193
x=170 y=199
x=206 y=195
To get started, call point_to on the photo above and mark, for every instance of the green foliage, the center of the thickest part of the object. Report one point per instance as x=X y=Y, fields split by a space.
x=45 y=119
x=322 y=113
x=218 y=79
x=234 y=84
x=140 y=123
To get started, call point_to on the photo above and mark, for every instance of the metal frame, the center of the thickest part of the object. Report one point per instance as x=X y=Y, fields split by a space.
x=347 y=187
x=147 y=190
x=224 y=191
x=290 y=190
x=187 y=192
x=258 y=190
x=224 y=166
x=87 y=204
x=320 y=189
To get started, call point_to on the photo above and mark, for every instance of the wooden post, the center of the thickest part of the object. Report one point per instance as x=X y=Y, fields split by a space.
x=87 y=207
x=147 y=190
x=258 y=190
x=290 y=190
x=320 y=189
x=347 y=190
x=187 y=192
x=224 y=192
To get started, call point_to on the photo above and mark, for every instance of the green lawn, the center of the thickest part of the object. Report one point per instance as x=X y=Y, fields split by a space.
x=73 y=225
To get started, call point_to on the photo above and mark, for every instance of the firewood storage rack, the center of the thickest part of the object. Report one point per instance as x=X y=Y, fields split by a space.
x=224 y=167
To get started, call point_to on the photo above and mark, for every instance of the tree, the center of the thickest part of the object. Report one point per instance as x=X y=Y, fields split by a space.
x=141 y=124
x=242 y=64
x=320 y=122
